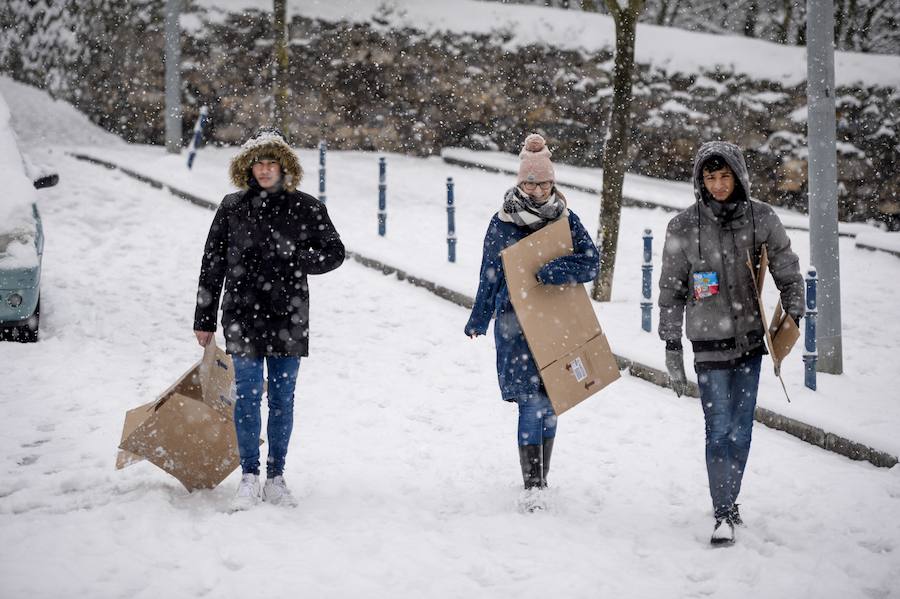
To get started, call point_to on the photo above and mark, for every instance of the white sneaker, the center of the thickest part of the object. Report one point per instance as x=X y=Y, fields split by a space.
x=247 y=493
x=275 y=491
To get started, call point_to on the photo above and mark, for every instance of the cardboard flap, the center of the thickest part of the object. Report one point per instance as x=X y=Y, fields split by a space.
x=580 y=373
x=187 y=384
x=523 y=259
x=784 y=333
x=216 y=375
x=133 y=419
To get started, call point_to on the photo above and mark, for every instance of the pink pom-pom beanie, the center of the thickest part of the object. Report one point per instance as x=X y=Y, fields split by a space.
x=535 y=166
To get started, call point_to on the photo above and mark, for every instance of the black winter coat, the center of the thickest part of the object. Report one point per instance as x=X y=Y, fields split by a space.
x=262 y=246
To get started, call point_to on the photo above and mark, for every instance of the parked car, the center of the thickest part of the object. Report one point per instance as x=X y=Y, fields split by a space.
x=21 y=241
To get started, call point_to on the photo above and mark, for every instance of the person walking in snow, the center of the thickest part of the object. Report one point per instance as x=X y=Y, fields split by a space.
x=532 y=203
x=263 y=242
x=705 y=282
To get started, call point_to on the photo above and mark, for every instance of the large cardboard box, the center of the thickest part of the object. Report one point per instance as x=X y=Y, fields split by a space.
x=188 y=431
x=559 y=322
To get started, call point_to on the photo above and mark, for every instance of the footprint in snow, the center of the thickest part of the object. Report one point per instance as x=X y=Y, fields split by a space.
x=27 y=460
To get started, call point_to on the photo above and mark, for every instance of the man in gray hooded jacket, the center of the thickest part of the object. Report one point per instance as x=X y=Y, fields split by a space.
x=705 y=282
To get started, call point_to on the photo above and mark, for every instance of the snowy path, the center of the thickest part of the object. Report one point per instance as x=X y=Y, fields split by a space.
x=403 y=455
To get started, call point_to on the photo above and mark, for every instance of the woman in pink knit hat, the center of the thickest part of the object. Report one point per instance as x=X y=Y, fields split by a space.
x=528 y=206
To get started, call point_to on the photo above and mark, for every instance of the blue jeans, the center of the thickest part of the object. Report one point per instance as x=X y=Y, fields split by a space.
x=248 y=382
x=537 y=420
x=728 y=396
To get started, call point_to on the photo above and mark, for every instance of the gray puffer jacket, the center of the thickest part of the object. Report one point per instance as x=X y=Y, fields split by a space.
x=723 y=324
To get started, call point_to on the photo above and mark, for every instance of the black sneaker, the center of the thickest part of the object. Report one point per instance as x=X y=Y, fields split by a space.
x=735 y=515
x=723 y=533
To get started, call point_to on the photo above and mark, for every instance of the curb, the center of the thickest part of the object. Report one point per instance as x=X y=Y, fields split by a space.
x=803 y=431
x=873 y=248
x=626 y=201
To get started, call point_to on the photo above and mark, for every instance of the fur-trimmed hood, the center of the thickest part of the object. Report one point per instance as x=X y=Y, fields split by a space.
x=266 y=144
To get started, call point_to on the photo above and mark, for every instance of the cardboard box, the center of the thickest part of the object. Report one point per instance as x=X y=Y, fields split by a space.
x=782 y=333
x=189 y=430
x=559 y=322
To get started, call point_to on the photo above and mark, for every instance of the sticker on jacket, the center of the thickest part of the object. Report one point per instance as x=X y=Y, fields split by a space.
x=578 y=369
x=706 y=284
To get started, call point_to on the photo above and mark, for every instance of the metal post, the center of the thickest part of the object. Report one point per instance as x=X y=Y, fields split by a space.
x=823 y=213
x=382 y=196
x=647 y=268
x=451 y=224
x=173 y=76
x=197 y=137
x=810 y=355
x=322 y=150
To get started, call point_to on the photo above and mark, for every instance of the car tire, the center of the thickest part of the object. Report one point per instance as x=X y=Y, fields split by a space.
x=28 y=332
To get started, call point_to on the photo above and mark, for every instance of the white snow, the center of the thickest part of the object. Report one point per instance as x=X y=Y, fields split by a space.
x=671 y=50
x=403 y=456
x=18 y=195
x=675 y=107
x=880 y=239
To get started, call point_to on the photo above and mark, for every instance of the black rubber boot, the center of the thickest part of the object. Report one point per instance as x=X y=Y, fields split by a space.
x=530 y=461
x=548 y=450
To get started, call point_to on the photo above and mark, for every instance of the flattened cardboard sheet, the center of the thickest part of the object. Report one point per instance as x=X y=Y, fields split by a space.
x=782 y=332
x=559 y=322
x=547 y=313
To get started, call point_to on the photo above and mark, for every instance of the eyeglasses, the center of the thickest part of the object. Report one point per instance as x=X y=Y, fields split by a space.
x=530 y=186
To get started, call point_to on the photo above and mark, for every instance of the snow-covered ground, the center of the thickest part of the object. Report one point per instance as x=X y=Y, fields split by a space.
x=403 y=457
x=860 y=404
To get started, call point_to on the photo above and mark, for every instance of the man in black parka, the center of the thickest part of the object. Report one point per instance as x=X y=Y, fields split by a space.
x=263 y=242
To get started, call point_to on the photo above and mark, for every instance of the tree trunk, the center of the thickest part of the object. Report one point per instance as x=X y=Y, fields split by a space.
x=839 y=13
x=615 y=151
x=280 y=65
x=661 y=15
x=850 y=34
x=785 y=29
x=751 y=19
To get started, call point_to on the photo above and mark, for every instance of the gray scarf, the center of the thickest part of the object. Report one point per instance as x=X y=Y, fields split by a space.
x=521 y=210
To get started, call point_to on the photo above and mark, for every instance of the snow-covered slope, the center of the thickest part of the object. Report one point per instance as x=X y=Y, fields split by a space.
x=669 y=49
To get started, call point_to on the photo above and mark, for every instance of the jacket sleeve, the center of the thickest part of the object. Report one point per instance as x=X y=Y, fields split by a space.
x=785 y=267
x=673 y=284
x=325 y=250
x=579 y=267
x=212 y=272
x=488 y=284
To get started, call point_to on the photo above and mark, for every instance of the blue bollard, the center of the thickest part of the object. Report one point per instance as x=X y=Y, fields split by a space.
x=322 y=150
x=811 y=355
x=198 y=135
x=382 y=196
x=451 y=224
x=647 y=270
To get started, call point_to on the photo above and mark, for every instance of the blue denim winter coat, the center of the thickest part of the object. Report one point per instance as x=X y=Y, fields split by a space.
x=517 y=373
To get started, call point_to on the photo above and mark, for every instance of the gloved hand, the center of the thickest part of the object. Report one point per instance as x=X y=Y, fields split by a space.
x=675 y=366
